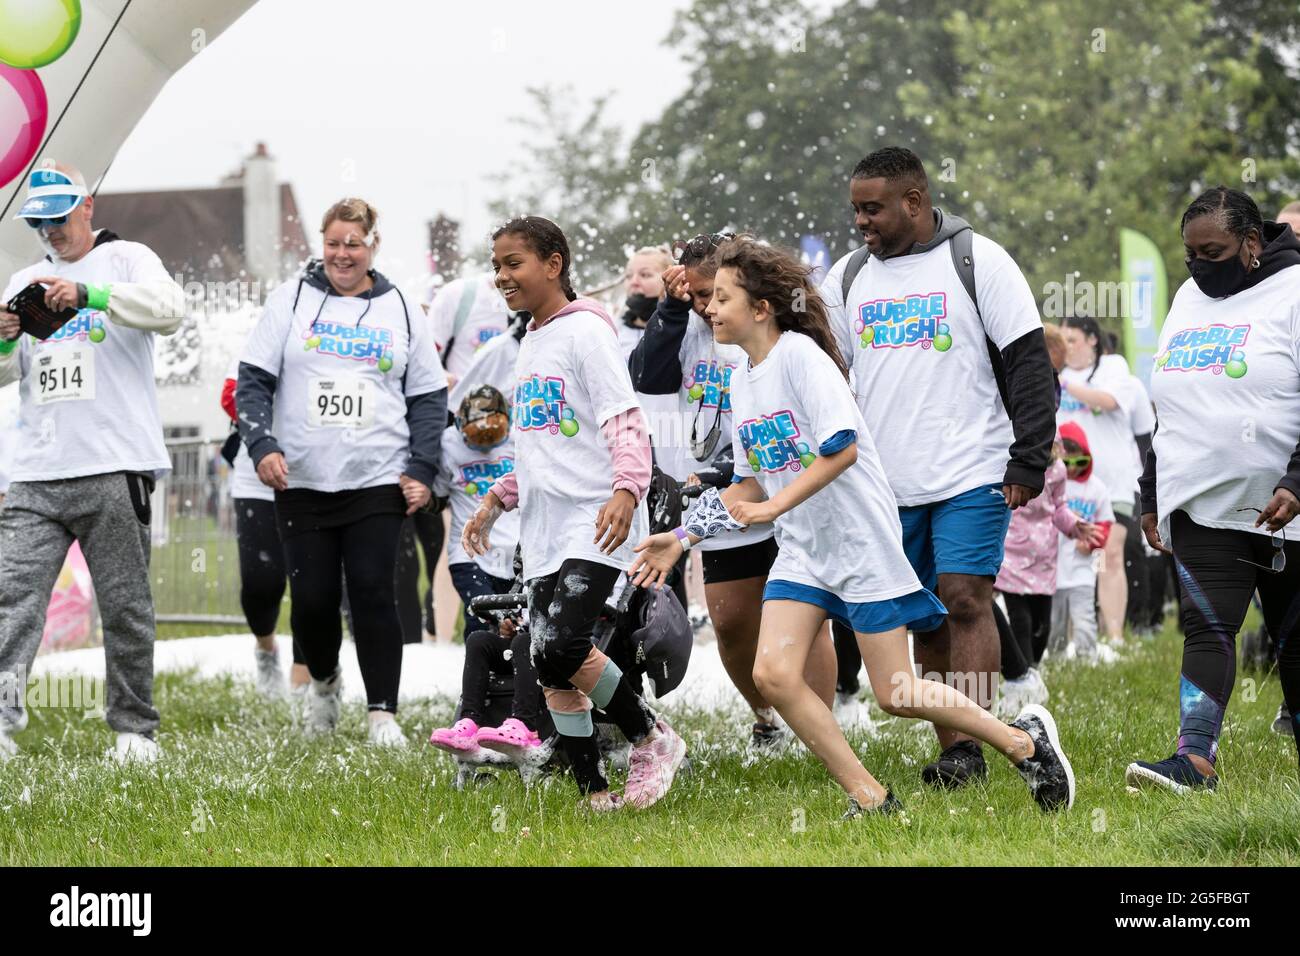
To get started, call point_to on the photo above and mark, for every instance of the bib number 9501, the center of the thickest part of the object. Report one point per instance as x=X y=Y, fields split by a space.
x=346 y=402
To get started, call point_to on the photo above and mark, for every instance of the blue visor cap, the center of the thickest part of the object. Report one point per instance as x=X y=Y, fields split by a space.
x=50 y=195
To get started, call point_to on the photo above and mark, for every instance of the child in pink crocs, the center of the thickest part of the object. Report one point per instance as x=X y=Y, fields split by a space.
x=490 y=660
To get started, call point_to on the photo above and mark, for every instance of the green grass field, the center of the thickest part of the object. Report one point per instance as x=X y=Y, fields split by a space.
x=237 y=785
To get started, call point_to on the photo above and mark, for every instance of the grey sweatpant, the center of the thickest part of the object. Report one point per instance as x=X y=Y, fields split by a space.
x=1074 y=609
x=109 y=516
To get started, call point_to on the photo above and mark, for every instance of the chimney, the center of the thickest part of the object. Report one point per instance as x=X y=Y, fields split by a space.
x=261 y=217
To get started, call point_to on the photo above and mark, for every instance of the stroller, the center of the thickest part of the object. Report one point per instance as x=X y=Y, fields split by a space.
x=620 y=633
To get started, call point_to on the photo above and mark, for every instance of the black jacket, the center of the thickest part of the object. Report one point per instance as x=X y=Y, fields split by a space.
x=1026 y=381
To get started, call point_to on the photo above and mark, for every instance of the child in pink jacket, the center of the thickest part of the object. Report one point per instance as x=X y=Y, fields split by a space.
x=1027 y=580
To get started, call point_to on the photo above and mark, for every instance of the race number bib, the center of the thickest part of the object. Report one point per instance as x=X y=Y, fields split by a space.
x=343 y=402
x=65 y=375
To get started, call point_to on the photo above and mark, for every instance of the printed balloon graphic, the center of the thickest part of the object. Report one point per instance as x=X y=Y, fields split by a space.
x=24 y=110
x=35 y=33
x=942 y=341
x=1236 y=368
x=568 y=423
x=695 y=394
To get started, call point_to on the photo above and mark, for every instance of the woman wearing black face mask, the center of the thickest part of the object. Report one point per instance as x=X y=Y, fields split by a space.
x=643 y=285
x=1222 y=479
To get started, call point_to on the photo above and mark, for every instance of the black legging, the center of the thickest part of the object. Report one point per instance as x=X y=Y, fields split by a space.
x=1014 y=663
x=366 y=551
x=848 y=659
x=427 y=528
x=261 y=567
x=563 y=609
x=1137 y=573
x=485 y=655
x=1030 y=617
x=1215 y=594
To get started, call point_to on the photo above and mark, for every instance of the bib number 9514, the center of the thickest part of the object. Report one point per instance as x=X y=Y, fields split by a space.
x=64 y=375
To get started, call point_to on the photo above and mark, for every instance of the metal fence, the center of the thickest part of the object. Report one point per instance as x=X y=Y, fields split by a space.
x=195 y=561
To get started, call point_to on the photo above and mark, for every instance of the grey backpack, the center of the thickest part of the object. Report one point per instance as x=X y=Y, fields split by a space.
x=963 y=260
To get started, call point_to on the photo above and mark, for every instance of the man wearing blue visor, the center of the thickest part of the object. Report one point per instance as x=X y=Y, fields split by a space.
x=90 y=447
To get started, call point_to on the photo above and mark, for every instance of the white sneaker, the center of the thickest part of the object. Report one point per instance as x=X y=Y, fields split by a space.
x=1014 y=697
x=323 y=703
x=270 y=679
x=1107 y=654
x=135 y=748
x=852 y=715
x=1036 y=690
x=1021 y=693
x=387 y=733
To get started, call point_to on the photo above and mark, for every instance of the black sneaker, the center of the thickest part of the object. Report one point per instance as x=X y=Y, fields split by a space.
x=1174 y=773
x=891 y=805
x=769 y=738
x=1048 y=771
x=957 y=766
x=1282 y=723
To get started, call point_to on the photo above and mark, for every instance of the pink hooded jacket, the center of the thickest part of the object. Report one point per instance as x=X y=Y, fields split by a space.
x=626 y=435
x=1029 y=555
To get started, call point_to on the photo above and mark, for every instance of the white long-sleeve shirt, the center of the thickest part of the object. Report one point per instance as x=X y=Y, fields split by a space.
x=89 y=404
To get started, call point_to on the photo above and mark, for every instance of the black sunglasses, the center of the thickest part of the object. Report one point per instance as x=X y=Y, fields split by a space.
x=1278 y=564
x=53 y=221
x=701 y=247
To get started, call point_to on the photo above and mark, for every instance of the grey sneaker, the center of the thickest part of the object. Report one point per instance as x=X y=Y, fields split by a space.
x=8 y=749
x=1282 y=723
x=324 y=701
x=270 y=679
x=1048 y=772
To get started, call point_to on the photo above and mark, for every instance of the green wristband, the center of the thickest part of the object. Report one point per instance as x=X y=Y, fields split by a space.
x=7 y=347
x=97 y=296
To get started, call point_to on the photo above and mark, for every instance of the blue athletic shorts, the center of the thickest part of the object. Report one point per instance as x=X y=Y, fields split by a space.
x=962 y=535
x=920 y=610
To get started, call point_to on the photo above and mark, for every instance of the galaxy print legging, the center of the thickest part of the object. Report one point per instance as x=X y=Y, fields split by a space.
x=1216 y=585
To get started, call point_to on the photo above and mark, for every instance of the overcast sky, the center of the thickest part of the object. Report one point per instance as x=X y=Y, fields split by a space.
x=409 y=98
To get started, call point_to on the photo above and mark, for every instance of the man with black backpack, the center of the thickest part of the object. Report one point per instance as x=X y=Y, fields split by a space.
x=952 y=375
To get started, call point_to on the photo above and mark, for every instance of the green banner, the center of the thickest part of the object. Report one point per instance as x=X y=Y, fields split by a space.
x=1148 y=300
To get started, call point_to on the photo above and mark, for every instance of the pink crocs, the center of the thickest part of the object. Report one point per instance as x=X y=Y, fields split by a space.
x=512 y=738
x=458 y=738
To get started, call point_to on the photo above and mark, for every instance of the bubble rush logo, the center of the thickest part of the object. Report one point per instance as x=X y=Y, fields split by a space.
x=1085 y=509
x=539 y=403
x=89 y=324
x=360 y=344
x=903 y=323
x=771 y=444
x=710 y=384
x=1216 y=347
x=1071 y=404
x=479 y=476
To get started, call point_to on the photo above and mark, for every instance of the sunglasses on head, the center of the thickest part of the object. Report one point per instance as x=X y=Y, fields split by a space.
x=1278 y=564
x=701 y=247
x=1079 y=461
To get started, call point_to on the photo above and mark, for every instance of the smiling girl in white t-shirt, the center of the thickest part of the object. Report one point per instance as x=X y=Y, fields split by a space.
x=582 y=462
x=805 y=460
